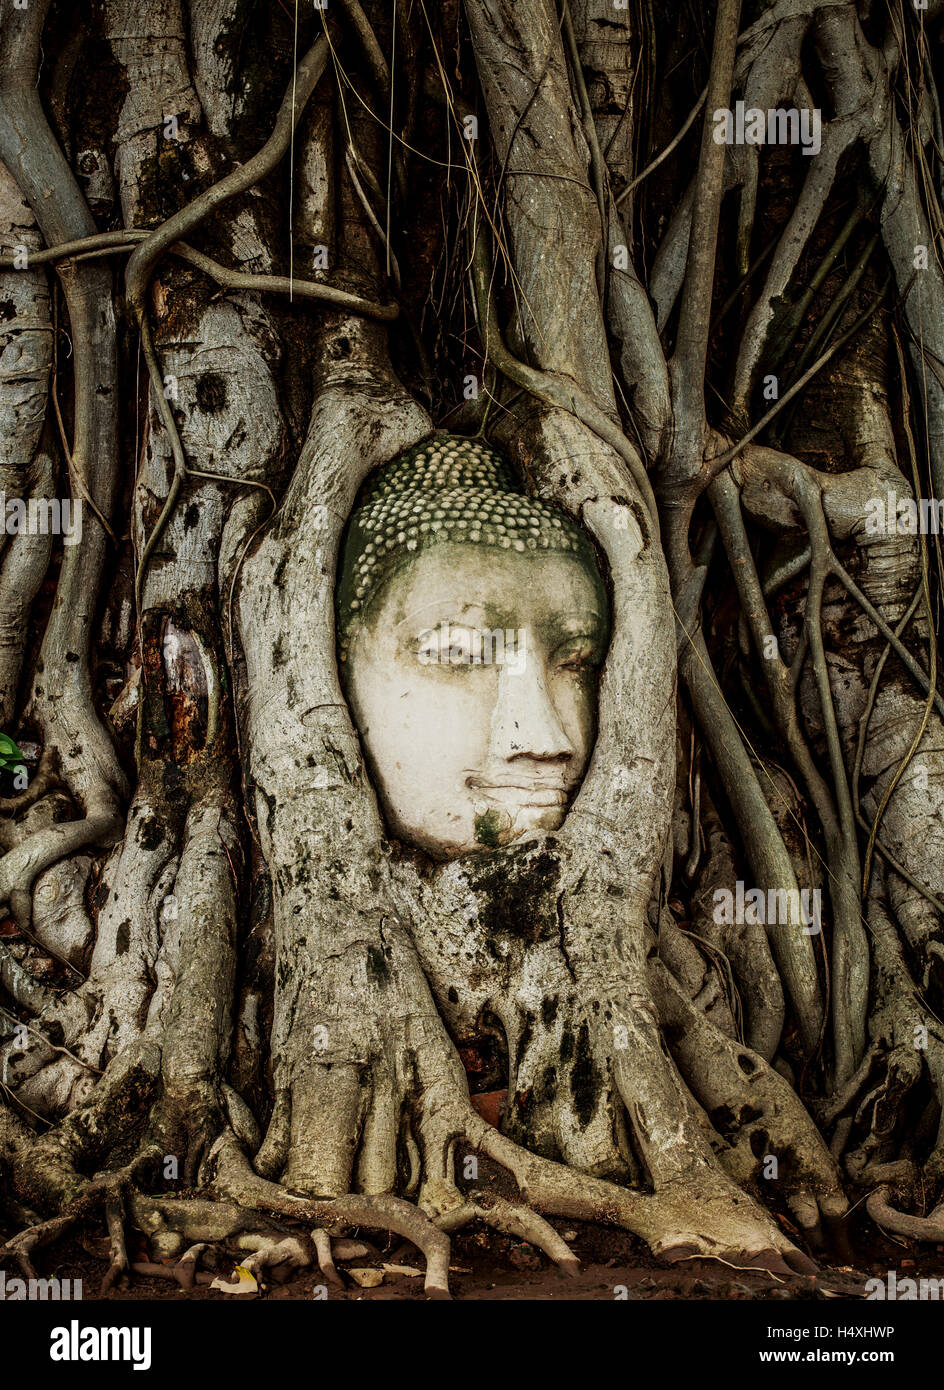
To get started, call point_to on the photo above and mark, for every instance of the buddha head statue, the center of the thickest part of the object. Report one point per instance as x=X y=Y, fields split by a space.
x=472 y=623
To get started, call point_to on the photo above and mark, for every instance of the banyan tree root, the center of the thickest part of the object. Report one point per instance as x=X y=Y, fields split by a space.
x=512 y=1219
x=898 y=1223
x=676 y=1224
x=684 y=1108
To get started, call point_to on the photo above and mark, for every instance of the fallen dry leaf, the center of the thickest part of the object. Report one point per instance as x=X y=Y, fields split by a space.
x=246 y=1282
x=402 y=1269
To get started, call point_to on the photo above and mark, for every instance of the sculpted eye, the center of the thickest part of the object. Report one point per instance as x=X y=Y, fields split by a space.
x=449 y=644
x=427 y=647
x=464 y=647
x=581 y=655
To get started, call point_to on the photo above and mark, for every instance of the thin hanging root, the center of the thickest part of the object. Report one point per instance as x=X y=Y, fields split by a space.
x=513 y=1219
x=898 y=1223
x=118 y=1265
x=322 y=1244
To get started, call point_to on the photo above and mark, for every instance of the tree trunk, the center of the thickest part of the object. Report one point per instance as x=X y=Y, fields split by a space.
x=246 y=259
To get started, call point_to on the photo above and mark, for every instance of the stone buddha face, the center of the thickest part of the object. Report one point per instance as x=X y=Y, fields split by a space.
x=469 y=660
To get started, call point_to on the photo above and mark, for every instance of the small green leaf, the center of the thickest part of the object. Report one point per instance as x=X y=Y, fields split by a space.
x=9 y=751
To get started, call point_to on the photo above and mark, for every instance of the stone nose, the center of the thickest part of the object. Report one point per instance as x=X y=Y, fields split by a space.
x=525 y=720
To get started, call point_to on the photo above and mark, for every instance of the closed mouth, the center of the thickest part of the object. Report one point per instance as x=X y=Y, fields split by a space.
x=520 y=793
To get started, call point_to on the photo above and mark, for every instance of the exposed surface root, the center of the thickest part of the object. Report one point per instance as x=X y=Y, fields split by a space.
x=888 y=1218
x=512 y=1219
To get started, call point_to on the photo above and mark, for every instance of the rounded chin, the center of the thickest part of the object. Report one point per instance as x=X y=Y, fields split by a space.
x=543 y=818
x=526 y=821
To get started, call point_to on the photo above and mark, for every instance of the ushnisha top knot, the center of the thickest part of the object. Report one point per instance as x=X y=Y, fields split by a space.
x=447 y=489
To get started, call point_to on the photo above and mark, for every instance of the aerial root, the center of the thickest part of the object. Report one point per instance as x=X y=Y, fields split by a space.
x=806 y=1214
x=708 y=1219
x=22 y=865
x=402 y=1218
x=270 y=1251
x=185 y=1270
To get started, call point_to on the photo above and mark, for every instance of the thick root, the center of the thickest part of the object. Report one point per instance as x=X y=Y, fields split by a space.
x=235 y=1179
x=513 y=1219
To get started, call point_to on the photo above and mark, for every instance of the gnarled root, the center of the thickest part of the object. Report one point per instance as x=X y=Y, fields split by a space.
x=887 y=1218
x=512 y=1219
x=708 y=1218
x=235 y=1179
x=753 y=1107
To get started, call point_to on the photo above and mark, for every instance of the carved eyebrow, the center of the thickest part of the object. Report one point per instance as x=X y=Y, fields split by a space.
x=563 y=631
x=576 y=623
x=419 y=616
x=458 y=624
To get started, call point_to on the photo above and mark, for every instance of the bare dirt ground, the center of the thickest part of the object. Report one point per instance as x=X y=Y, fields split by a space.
x=486 y=1266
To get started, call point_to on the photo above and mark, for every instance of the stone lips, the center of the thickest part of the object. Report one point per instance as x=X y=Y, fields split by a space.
x=449 y=488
